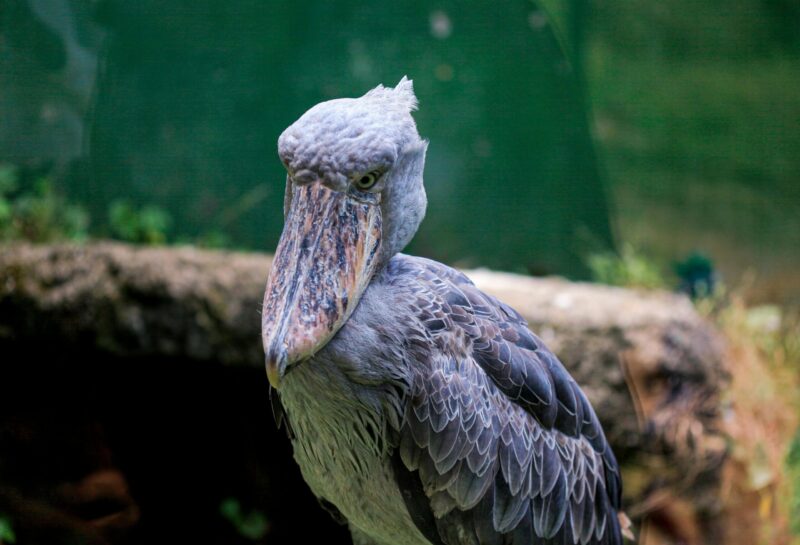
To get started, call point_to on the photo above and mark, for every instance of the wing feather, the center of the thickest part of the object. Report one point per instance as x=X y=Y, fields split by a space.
x=502 y=442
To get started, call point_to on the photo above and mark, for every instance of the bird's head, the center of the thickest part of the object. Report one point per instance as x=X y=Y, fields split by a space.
x=354 y=198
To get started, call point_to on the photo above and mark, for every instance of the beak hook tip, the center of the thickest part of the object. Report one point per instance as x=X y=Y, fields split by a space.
x=276 y=365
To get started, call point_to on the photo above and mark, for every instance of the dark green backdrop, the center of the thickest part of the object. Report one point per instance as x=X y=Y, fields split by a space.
x=190 y=97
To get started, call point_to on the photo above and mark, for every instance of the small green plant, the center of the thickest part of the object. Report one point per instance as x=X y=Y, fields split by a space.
x=38 y=214
x=213 y=239
x=627 y=268
x=697 y=276
x=6 y=531
x=146 y=225
x=253 y=525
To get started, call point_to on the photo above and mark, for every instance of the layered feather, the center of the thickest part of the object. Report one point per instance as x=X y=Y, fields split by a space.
x=503 y=443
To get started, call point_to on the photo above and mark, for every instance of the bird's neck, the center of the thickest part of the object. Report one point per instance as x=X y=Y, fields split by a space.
x=403 y=202
x=357 y=374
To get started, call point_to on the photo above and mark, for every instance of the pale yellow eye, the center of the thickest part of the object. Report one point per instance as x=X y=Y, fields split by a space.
x=367 y=180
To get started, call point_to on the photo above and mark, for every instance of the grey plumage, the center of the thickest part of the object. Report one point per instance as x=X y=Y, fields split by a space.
x=432 y=415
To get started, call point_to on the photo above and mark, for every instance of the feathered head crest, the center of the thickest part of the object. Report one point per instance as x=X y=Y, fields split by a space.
x=402 y=93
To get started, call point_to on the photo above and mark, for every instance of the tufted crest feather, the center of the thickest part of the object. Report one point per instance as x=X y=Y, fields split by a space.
x=402 y=93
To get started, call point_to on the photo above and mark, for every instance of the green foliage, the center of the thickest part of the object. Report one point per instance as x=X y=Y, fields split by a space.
x=697 y=275
x=6 y=531
x=793 y=474
x=213 y=239
x=37 y=214
x=147 y=225
x=627 y=268
x=253 y=525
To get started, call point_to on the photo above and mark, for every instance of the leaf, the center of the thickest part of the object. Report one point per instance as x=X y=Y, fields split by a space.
x=6 y=531
x=254 y=525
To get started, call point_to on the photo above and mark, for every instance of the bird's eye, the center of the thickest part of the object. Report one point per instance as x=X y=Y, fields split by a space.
x=367 y=180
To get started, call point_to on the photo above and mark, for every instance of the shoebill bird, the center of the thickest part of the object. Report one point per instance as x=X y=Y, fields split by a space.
x=420 y=410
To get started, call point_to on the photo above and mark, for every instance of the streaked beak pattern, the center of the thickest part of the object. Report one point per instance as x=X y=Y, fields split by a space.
x=324 y=261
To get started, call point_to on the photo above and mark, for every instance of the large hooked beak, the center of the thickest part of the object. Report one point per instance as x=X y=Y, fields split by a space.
x=324 y=261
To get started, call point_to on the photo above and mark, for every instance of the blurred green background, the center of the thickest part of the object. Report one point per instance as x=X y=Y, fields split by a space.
x=628 y=140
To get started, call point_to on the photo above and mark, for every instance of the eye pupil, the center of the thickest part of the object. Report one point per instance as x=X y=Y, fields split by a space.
x=367 y=180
